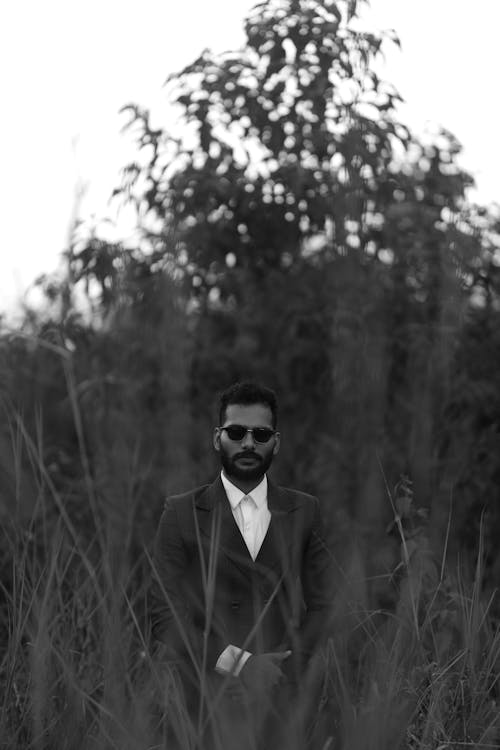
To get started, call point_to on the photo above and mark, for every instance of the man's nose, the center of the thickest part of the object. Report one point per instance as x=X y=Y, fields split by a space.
x=248 y=440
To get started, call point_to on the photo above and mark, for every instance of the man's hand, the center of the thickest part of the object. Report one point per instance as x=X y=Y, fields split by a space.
x=263 y=671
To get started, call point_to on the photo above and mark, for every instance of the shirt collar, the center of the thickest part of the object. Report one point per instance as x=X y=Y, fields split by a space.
x=235 y=495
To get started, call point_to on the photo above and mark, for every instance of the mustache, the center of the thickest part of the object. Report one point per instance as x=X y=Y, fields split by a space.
x=246 y=454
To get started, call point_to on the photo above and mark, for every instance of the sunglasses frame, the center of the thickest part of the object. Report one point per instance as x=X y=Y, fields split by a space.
x=252 y=430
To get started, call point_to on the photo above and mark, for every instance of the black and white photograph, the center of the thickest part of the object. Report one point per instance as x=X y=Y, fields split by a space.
x=249 y=375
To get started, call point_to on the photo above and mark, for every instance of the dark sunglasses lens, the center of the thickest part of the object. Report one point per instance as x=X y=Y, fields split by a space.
x=235 y=432
x=262 y=435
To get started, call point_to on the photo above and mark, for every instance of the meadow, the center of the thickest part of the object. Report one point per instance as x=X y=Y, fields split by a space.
x=78 y=670
x=294 y=231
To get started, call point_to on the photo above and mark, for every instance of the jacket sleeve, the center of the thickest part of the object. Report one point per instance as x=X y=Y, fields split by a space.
x=171 y=614
x=317 y=586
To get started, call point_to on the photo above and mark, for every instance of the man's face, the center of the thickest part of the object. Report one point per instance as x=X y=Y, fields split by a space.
x=246 y=459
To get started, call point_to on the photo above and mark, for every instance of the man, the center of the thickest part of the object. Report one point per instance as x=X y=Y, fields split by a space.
x=243 y=581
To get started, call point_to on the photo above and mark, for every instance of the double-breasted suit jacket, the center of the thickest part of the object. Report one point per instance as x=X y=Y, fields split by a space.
x=209 y=593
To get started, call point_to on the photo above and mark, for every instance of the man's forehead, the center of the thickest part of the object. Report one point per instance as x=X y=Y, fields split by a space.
x=249 y=414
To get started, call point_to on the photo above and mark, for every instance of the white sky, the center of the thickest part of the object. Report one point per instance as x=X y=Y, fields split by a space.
x=67 y=66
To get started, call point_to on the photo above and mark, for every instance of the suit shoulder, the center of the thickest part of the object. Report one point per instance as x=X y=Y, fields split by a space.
x=301 y=498
x=184 y=498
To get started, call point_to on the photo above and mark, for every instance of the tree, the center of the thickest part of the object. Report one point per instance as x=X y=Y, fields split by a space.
x=294 y=230
x=295 y=201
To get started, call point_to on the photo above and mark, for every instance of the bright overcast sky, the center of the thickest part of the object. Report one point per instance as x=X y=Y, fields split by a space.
x=67 y=66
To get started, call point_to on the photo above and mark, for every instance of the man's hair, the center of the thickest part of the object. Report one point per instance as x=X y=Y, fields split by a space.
x=248 y=394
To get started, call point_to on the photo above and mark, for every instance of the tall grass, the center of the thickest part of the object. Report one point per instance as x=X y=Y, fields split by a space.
x=78 y=670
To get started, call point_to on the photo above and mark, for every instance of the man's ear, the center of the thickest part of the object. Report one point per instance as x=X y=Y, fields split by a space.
x=216 y=438
x=277 y=443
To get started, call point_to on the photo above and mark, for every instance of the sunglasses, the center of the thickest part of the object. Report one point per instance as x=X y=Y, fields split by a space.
x=237 y=432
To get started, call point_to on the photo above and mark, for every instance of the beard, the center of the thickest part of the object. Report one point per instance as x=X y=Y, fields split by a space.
x=254 y=472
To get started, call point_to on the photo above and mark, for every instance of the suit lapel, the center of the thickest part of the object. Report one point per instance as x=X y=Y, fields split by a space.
x=274 y=551
x=215 y=521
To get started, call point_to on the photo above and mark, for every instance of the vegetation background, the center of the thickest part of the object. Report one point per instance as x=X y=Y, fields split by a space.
x=292 y=231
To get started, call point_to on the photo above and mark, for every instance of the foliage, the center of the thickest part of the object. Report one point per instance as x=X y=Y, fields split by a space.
x=322 y=247
x=295 y=231
x=77 y=669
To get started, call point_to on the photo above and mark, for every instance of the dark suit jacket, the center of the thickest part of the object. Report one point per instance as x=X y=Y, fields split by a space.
x=209 y=593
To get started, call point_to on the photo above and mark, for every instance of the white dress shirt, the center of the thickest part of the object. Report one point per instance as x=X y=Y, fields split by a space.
x=252 y=517
x=250 y=512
